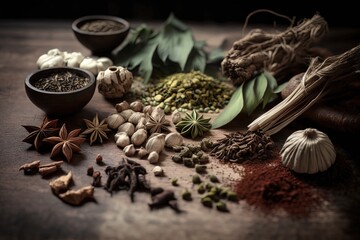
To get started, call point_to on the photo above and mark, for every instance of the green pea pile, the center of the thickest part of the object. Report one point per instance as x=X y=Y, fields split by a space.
x=188 y=91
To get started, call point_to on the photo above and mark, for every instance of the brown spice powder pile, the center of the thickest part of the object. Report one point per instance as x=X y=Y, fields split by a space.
x=271 y=186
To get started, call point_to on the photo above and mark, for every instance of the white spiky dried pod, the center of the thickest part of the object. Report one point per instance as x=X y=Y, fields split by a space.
x=308 y=151
x=114 y=82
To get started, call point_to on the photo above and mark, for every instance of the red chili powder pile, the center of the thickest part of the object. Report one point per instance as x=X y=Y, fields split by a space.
x=271 y=186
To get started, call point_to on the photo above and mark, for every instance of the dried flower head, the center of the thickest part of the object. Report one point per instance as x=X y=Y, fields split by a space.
x=193 y=124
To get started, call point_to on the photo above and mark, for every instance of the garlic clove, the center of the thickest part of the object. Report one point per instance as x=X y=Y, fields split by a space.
x=129 y=150
x=173 y=139
x=158 y=171
x=135 y=117
x=137 y=106
x=139 y=137
x=124 y=105
x=156 y=143
x=308 y=151
x=122 y=139
x=153 y=157
x=126 y=114
x=127 y=128
x=114 y=120
x=176 y=117
x=142 y=152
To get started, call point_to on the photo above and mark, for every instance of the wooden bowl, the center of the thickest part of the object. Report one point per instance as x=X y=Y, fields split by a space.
x=64 y=102
x=101 y=39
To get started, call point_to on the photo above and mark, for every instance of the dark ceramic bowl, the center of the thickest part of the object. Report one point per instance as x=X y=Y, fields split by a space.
x=100 y=38
x=60 y=103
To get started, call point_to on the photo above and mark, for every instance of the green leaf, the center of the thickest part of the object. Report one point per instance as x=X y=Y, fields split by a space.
x=175 y=42
x=232 y=109
x=250 y=99
x=196 y=59
x=269 y=95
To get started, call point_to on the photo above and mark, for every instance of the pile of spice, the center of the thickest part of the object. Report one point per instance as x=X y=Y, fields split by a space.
x=62 y=82
x=238 y=147
x=102 y=26
x=271 y=186
x=188 y=91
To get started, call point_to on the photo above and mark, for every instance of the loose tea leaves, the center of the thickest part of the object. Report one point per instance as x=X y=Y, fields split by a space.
x=62 y=82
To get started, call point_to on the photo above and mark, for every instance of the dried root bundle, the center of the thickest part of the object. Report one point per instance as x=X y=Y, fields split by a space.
x=322 y=79
x=276 y=53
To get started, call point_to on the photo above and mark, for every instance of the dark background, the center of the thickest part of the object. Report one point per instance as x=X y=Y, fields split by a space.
x=336 y=13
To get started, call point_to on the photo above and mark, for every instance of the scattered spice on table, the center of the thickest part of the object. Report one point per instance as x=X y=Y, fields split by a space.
x=62 y=82
x=271 y=186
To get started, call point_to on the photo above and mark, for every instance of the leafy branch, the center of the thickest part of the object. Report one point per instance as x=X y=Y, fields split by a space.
x=169 y=50
x=248 y=96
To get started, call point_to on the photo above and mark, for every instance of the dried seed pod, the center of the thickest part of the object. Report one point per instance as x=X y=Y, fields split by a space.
x=124 y=105
x=173 y=139
x=148 y=109
x=126 y=114
x=129 y=150
x=308 y=151
x=137 y=106
x=139 y=137
x=156 y=143
x=127 y=128
x=176 y=116
x=114 y=82
x=158 y=171
x=47 y=169
x=122 y=139
x=141 y=124
x=135 y=117
x=77 y=197
x=61 y=184
x=114 y=120
x=142 y=152
x=153 y=157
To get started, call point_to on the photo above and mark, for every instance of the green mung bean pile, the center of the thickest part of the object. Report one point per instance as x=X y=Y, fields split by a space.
x=188 y=91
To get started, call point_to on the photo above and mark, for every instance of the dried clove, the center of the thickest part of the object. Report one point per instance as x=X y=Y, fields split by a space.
x=99 y=159
x=90 y=171
x=163 y=197
x=128 y=175
x=96 y=179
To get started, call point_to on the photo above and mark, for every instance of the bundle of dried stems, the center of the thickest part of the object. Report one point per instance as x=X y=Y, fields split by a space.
x=274 y=52
x=322 y=78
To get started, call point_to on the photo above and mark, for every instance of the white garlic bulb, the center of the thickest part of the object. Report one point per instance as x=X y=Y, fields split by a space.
x=53 y=58
x=114 y=82
x=308 y=151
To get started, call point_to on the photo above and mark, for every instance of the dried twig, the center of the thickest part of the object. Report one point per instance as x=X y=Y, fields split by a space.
x=321 y=79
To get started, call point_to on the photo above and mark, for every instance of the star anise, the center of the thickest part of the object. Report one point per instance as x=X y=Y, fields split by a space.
x=66 y=143
x=157 y=125
x=37 y=134
x=96 y=129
